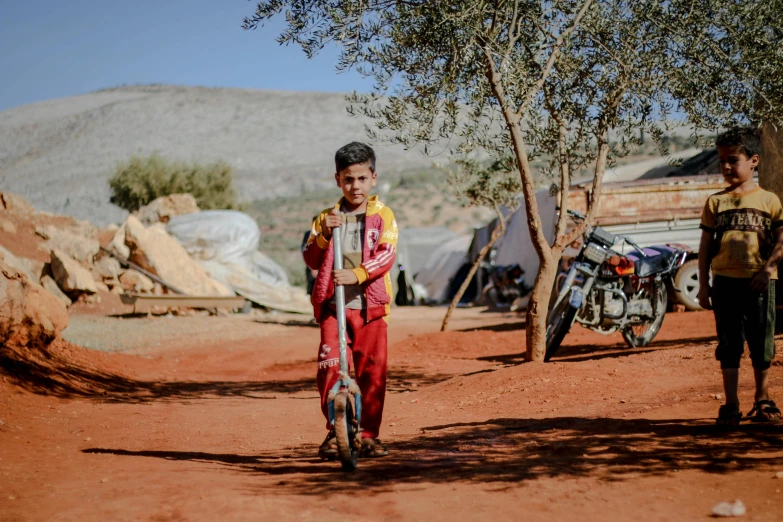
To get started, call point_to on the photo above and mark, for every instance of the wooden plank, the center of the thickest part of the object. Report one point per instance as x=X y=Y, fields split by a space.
x=172 y=301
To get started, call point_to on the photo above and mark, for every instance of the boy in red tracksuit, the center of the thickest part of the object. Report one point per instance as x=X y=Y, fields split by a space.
x=369 y=238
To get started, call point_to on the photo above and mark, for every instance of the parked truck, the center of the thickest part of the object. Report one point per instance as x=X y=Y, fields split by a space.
x=655 y=212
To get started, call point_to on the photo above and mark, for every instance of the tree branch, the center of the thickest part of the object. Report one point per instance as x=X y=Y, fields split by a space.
x=553 y=58
x=565 y=182
x=540 y=242
x=600 y=164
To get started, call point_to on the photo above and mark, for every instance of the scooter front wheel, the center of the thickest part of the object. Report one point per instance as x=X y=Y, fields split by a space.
x=345 y=431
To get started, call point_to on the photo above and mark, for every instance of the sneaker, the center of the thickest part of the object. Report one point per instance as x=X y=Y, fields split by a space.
x=328 y=448
x=373 y=448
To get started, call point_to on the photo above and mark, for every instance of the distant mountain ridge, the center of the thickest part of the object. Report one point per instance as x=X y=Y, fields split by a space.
x=60 y=153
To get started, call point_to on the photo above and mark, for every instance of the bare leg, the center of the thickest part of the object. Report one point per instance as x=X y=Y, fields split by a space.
x=762 y=384
x=731 y=384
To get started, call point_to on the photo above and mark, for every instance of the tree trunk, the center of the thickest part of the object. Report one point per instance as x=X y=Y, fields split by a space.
x=496 y=234
x=771 y=178
x=771 y=164
x=537 y=309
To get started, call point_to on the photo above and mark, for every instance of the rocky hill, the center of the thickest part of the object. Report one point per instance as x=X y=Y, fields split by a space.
x=60 y=153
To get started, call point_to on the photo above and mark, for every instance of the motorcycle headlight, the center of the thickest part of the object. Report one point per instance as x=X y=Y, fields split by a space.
x=595 y=253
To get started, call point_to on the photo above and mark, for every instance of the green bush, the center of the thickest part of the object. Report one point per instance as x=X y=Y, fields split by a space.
x=142 y=179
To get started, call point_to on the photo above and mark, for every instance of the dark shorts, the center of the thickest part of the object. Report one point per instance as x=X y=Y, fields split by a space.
x=742 y=314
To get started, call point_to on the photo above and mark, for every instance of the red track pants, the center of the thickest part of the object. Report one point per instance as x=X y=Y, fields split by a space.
x=367 y=352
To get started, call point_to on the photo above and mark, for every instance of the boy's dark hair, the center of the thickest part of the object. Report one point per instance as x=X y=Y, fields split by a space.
x=745 y=137
x=354 y=153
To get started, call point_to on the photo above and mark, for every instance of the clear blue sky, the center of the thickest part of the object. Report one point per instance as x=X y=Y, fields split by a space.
x=50 y=49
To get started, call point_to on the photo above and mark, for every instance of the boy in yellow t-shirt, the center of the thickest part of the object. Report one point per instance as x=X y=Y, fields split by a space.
x=742 y=242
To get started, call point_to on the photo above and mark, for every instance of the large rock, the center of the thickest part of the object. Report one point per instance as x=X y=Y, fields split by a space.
x=51 y=286
x=29 y=267
x=29 y=315
x=117 y=244
x=77 y=246
x=106 y=268
x=133 y=281
x=70 y=275
x=164 y=208
x=156 y=251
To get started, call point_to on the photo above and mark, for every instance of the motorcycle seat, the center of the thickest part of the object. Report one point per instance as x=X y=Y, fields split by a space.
x=658 y=259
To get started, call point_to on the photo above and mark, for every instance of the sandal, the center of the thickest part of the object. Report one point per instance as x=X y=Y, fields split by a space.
x=764 y=411
x=328 y=448
x=729 y=416
x=373 y=448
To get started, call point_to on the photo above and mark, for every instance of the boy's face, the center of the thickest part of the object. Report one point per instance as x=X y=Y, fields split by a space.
x=735 y=166
x=356 y=182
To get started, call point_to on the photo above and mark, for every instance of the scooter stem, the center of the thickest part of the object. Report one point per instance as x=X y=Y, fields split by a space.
x=339 y=292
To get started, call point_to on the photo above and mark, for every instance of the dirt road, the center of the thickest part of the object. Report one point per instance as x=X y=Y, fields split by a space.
x=203 y=418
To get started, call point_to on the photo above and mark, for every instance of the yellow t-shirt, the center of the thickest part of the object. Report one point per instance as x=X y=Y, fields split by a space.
x=742 y=228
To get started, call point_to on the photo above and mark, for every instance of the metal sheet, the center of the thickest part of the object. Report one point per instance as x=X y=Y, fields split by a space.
x=649 y=200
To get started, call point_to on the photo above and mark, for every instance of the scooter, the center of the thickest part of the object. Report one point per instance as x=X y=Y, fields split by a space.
x=345 y=399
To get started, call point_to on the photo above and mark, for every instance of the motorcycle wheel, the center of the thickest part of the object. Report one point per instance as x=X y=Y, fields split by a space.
x=558 y=323
x=640 y=335
x=345 y=432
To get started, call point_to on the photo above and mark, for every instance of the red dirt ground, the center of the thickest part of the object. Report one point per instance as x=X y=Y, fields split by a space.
x=225 y=425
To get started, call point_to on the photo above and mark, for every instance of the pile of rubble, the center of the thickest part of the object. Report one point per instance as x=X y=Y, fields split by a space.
x=48 y=262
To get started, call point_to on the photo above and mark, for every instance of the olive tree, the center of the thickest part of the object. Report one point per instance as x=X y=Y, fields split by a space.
x=570 y=82
x=731 y=71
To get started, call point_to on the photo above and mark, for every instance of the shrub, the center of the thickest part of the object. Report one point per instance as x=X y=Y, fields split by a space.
x=140 y=180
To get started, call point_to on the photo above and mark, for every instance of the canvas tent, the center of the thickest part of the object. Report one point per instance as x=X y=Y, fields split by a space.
x=445 y=268
x=416 y=245
x=442 y=266
x=515 y=246
x=414 y=250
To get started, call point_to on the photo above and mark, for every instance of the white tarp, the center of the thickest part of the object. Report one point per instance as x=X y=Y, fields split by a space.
x=442 y=266
x=516 y=247
x=225 y=243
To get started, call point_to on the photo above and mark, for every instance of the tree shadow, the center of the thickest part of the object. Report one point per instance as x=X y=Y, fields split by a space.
x=502 y=327
x=400 y=379
x=504 y=359
x=571 y=353
x=506 y=452
x=309 y=323
x=46 y=373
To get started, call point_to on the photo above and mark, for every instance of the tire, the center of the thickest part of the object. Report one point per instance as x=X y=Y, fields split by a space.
x=686 y=280
x=345 y=432
x=642 y=335
x=558 y=323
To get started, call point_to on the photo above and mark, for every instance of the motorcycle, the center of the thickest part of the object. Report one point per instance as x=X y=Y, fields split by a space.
x=609 y=292
x=506 y=285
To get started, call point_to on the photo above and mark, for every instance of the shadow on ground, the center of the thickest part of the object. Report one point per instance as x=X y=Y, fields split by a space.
x=586 y=352
x=46 y=373
x=502 y=327
x=509 y=451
